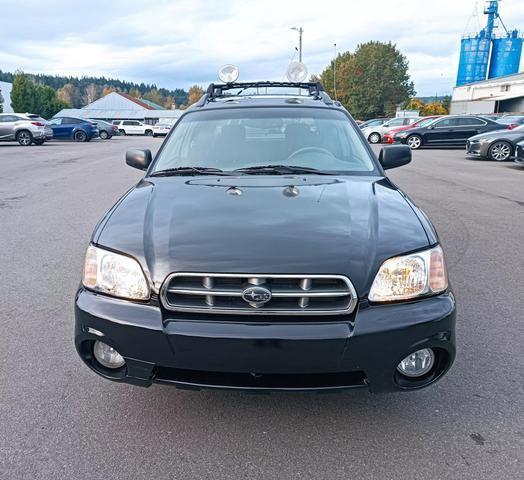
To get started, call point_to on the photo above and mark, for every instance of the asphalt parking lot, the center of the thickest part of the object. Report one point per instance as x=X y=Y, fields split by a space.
x=60 y=420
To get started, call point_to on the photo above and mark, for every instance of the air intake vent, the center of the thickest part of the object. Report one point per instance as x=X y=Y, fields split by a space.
x=259 y=294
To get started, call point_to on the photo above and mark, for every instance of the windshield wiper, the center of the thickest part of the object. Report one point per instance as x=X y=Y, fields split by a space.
x=188 y=171
x=280 y=170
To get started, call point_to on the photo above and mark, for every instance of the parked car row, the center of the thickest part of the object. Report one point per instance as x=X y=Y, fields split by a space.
x=30 y=129
x=483 y=137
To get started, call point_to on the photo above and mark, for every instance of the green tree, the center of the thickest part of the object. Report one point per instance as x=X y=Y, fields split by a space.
x=371 y=82
x=22 y=93
x=446 y=103
x=1 y=102
x=47 y=104
x=27 y=96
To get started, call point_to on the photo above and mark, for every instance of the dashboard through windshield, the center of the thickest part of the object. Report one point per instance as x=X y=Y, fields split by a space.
x=239 y=138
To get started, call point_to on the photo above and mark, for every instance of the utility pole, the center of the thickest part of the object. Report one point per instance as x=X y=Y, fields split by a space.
x=335 y=71
x=300 y=31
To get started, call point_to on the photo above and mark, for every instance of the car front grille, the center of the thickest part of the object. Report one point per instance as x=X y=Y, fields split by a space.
x=259 y=294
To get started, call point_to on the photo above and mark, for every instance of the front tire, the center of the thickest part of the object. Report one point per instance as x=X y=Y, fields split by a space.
x=24 y=138
x=374 y=138
x=148 y=133
x=500 y=151
x=414 y=142
x=122 y=132
x=80 y=136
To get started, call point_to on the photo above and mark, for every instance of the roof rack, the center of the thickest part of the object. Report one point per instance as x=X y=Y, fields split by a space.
x=214 y=91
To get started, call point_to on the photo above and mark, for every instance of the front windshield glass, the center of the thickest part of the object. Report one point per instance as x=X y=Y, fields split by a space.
x=233 y=138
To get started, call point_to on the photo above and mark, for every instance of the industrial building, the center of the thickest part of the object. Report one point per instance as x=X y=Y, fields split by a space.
x=489 y=54
x=121 y=106
x=497 y=95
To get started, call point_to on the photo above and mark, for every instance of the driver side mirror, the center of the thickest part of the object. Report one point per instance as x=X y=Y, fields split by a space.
x=394 y=156
x=140 y=159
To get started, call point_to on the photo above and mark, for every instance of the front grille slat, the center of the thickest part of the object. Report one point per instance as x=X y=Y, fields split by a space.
x=282 y=294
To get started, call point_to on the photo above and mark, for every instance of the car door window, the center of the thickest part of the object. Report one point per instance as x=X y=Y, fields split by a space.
x=397 y=122
x=55 y=121
x=446 y=123
x=70 y=121
x=470 y=122
x=8 y=118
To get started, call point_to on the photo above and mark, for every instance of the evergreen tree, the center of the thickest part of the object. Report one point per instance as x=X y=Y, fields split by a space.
x=22 y=94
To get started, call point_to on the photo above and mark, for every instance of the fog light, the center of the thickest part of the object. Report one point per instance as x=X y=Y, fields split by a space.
x=107 y=356
x=418 y=363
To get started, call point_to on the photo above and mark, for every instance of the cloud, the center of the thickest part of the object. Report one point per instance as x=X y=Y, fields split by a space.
x=176 y=44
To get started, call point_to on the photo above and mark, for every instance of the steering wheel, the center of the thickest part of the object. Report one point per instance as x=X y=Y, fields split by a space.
x=303 y=150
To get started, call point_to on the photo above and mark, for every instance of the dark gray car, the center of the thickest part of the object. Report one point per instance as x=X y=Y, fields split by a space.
x=498 y=145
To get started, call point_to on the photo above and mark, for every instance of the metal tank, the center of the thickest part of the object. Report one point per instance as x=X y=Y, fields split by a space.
x=474 y=58
x=505 y=55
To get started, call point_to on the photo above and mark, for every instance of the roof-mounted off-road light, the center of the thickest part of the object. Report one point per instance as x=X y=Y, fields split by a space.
x=296 y=72
x=228 y=73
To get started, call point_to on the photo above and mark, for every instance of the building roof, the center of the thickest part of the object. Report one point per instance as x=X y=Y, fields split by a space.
x=100 y=114
x=142 y=103
x=152 y=104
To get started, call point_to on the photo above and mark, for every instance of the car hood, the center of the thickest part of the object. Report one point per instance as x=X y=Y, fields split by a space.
x=263 y=224
x=501 y=134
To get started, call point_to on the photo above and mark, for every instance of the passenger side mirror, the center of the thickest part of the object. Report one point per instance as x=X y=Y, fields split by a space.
x=394 y=156
x=140 y=159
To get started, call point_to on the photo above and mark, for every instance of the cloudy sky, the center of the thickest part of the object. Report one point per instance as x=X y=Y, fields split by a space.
x=176 y=43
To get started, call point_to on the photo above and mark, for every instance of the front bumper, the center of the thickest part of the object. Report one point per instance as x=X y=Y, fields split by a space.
x=192 y=351
x=474 y=149
x=519 y=155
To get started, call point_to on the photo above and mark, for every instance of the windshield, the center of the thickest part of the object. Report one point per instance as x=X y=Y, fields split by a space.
x=229 y=139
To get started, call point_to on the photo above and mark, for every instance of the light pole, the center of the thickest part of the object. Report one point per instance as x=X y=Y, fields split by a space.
x=335 y=71
x=300 y=31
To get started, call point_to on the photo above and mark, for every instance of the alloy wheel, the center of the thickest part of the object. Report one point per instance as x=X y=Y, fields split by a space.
x=414 y=142
x=24 y=138
x=500 y=151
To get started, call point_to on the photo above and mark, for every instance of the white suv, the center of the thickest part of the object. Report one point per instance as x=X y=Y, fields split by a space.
x=374 y=133
x=133 y=127
x=25 y=128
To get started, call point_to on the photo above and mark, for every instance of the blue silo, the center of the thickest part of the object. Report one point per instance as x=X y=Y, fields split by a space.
x=474 y=59
x=505 y=55
x=485 y=55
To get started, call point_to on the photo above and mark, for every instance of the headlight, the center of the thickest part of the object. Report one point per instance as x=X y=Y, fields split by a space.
x=114 y=274
x=410 y=276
